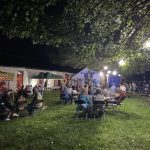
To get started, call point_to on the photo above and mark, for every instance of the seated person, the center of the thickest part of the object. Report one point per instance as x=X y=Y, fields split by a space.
x=74 y=94
x=74 y=91
x=90 y=90
x=20 y=101
x=29 y=91
x=98 y=96
x=37 y=102
x=85 y=97
x=8 y=107
x=121 y=95
x=65 y=95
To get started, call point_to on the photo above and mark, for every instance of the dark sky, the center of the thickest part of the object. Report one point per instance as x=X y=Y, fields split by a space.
x=22 y=53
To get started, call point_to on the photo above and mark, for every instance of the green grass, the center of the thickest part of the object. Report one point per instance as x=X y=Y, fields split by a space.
x=56 y=129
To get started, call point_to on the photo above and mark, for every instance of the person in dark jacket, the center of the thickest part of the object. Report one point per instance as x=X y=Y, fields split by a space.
x=7 y=105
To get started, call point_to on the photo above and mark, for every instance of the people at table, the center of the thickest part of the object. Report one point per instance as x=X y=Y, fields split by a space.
x=122 y=93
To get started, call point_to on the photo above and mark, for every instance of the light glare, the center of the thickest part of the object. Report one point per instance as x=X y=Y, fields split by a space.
x=101 y=74
x=105 y=68
x=108 y=71
x=114 y=73
x=121 y=62
x=147 y=44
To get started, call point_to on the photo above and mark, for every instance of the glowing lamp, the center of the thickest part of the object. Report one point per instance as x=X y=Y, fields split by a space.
x=101 y=74
x=114 y=73
x=105 y=68
x=109 y=72
x=147 y=44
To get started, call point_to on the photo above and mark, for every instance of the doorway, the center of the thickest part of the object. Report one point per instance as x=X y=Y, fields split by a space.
x=19 y=80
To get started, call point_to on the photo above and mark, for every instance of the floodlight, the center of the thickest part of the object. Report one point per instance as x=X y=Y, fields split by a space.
x=108 y=71
x=101 y=74
x=147 y=44
x=105 y=68
x=114 y=73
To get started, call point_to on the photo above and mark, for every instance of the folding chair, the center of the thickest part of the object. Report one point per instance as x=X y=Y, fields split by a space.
x=80 y=108
x=116 y=104
x=98 y=109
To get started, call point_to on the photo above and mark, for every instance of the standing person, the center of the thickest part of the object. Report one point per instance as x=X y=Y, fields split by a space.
x=134 y=86
x=113 y=89
x=69 y=91
x=45 y=85
x=40 y=89
x=65 y=94
x=35 y=91
x=22 y=90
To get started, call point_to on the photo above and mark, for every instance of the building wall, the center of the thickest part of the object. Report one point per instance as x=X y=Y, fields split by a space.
x=13 y=84
x=32 y=72
x=27 y=74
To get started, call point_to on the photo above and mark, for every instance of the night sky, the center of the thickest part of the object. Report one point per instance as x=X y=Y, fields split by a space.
x=22 y=53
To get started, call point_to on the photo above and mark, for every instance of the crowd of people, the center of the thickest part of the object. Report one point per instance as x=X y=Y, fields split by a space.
x=91 y=93
x=10 y=102
x=70 y=93
x=140 y=87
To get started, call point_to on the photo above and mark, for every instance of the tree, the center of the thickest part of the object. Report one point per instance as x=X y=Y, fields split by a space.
x=86 y=31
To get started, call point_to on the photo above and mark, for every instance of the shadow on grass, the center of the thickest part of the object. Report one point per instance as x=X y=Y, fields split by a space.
x=124 y=115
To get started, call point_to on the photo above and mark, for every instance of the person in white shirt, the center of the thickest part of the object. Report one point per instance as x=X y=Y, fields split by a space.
x=98 y=96
x=74 y=95
x=69 y=91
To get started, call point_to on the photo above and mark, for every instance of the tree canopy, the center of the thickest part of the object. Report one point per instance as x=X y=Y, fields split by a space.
x=86 y=32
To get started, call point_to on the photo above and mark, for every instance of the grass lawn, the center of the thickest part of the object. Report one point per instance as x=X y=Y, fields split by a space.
x=56 y=129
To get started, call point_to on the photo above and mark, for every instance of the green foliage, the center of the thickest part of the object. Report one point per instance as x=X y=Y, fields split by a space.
x=99 y=31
